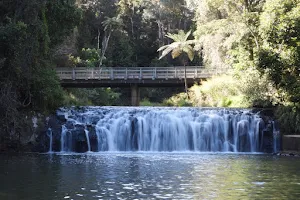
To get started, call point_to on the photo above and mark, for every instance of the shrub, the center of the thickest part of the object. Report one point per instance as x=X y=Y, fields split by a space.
x=289 y=119
x=219 y=91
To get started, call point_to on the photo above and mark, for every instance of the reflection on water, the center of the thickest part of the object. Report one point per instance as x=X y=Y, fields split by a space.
x=149 y=176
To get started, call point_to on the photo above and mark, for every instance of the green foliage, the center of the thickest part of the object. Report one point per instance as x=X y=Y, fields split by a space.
x=46 y=91
x=257 y=89
x=62 y=17
x=289 y=119
x=28 y=32
x=180 y=44
x=87 y=58
x=146 y=102
x=249 y=35
x=90 y=55
x=280 y=53
x=132 y=29
x=179 y=100
x=120 y=53
x=222 y=26
x=159 y=63
x=219 y=91
x=245 y=88
x=96 y=97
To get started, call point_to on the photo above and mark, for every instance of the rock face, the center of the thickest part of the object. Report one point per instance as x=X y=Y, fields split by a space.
x=291 y=143
x=271 y=138
x=55 y=123
x=157 y=129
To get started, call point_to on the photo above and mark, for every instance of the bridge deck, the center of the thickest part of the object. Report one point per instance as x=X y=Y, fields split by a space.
x=141 y=76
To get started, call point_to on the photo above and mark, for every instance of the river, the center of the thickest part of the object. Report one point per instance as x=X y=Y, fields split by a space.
x=149 y=175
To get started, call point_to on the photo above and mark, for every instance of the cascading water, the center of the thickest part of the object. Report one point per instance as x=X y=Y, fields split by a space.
x=160 y=129
x=50 y=135
x=63 y=145
x=88 y=139
x=276 y=135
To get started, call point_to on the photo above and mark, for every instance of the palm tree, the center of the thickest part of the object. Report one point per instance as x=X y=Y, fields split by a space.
x=180 y=45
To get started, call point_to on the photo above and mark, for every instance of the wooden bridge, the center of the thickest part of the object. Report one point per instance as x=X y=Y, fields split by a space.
x=133 y=77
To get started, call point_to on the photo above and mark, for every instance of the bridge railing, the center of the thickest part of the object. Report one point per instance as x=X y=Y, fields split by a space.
x=124 y=73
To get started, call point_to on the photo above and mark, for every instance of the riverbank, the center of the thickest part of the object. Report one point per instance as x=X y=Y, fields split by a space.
x=289 y=153
x=15 y=147
x=290 y=145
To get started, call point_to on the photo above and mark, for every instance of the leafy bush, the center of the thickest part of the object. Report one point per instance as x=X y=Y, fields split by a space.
x=245 y=88
x=88 y=58
x=219 y=91
x=257 y=89
x=289 y=119
x=177 y=100
x=146 y=102
x=97 y=97
x=46 y=92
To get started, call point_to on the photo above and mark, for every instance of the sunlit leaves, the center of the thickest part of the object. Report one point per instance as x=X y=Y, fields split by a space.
x=112 y=23
x=176 y=52
x=280 y=53
x=180 y=44
x=224 y=27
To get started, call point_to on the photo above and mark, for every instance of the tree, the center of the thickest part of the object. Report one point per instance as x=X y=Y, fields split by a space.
x=280 y=52
x=110 y=24
x=227 y=31
x=29 y=31
x=181 y=44
x=91 y=30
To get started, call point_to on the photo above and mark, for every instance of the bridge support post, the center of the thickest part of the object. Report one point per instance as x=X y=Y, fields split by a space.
x=135 y=95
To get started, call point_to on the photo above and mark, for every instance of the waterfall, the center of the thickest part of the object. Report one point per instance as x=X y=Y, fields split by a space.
x=276 y=146
x=63 y=145
x=160 y=129
x=88 y=139
x=50 y=135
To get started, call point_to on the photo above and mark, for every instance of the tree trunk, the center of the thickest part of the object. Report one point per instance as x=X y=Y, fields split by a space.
x=246 y=5
x=98 y=40
x=132 y=31
x=104 y=47
x=185 y=82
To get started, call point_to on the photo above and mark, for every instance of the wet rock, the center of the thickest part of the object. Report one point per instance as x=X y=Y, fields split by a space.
x=244 y=144
x=134 y=134
x=79 y=135
x=69 y=125
x=61 y=117
x=288 y=154
x=94 y=119
x=81 y=147
x=93 y=137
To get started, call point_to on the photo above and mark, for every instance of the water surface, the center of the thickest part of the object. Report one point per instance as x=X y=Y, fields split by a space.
x=149 y=176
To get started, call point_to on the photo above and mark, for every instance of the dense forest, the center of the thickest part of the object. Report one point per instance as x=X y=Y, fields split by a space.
x=258 y=42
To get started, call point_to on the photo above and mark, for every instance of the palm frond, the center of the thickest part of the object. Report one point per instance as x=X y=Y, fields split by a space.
x=188 y=49
x=172 y=36
x=165 y=52
x=163 y=47
x=187 y=35
x=180 y=44
x=176 y=52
